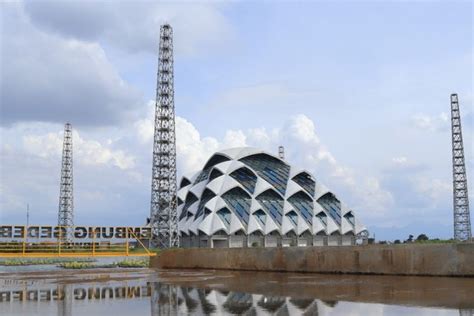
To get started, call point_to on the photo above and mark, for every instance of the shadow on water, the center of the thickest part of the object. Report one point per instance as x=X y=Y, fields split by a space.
x=143 y=291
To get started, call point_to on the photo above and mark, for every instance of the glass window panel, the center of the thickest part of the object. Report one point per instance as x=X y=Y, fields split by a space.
x=270 y=169
x=190 y=199
x=205 y=197
x=238 y=201
x=306 y=182
x=332 y=206
x=245 y=177
x=273 y=204
x=303 y=204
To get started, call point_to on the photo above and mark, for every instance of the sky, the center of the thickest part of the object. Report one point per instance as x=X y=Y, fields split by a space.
x=357 y=93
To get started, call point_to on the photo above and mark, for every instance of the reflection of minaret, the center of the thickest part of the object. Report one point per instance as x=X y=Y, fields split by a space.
x=65 y=305
x=207 y=307
x=191 y=304
x=466 y=312
x=164 y=300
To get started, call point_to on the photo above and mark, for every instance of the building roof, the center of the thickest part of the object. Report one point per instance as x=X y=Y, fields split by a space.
x=248 y=190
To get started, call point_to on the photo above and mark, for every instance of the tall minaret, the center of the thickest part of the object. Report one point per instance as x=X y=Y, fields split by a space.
x=281 y=152
x=163 y=212
x=462 y=219
x=66 y=198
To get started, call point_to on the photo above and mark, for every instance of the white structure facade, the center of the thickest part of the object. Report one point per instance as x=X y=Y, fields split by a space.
x=245 y=197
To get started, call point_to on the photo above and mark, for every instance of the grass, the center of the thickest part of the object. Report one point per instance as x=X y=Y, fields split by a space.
x=133 y=263
x=436 y=241
x=76 y=265
x=127 y=263
x=27 y=262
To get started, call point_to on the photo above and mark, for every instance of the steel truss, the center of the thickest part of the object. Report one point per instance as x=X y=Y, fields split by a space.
x=163 y=213
x=462 y=220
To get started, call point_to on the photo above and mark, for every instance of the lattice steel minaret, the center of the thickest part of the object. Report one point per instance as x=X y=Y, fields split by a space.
x=163 y=213
x=462 y=219
x=66 y=198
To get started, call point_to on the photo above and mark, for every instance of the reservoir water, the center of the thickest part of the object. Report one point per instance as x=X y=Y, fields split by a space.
x=207 y=292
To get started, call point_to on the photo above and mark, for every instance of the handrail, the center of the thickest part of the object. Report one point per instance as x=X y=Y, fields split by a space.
x=93 y=246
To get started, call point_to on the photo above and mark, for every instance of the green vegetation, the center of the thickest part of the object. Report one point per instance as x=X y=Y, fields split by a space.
x=436 y=241
x=133 y=263
x=76 y=265
x=42 y=261
x=421 y=239
x=127 y=263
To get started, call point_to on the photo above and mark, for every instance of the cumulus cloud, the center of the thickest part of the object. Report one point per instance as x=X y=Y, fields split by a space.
x=303 y=148
x=52 y=79
x=87 y=152
x=417 y=193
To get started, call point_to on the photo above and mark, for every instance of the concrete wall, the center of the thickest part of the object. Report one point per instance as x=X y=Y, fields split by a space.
x=405 y=259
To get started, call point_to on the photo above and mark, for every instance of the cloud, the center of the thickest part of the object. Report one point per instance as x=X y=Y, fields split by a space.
x=431 y=123
x=298 y=134
x=417 y=193
x=51 y=79
x=303 y=148
x=87 y=152
x=133 y=26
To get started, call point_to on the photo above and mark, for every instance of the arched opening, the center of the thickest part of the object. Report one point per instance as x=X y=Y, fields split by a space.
x=271 y=169
x=246 y=178
x=214 y=160
x=224 y=215
x=205 y=197
x=239 y=202
x=214 y=174
x=306 y=181
x=303 y=204
x=273 y=204
x=293 y=217
x=204 y=174
x=240 y=232
x=332 y=206
x=184 y=182
x=261 y=217
x=190 y=200
x=350 y=218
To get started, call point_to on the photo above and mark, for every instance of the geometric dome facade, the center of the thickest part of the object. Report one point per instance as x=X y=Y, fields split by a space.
x=247 y=190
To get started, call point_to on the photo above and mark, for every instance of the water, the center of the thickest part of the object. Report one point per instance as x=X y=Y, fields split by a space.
x=207 y=292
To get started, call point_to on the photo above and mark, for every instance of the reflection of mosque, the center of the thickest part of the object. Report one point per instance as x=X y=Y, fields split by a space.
x=166 y=299
x=173 y=300
x=179 y=300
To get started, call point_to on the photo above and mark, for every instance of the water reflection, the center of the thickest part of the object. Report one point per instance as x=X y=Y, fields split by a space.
x=180 y=300
x=155 y=294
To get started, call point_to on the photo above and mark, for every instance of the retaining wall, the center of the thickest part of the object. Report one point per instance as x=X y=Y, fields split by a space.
x=405 y=259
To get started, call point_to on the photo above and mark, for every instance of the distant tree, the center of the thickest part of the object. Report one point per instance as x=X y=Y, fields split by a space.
x=422 y=237
x=397 y=241
x=410 y=238
x=382 y=242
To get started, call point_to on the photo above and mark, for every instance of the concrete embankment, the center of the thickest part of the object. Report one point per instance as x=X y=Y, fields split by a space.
x=405 y=259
